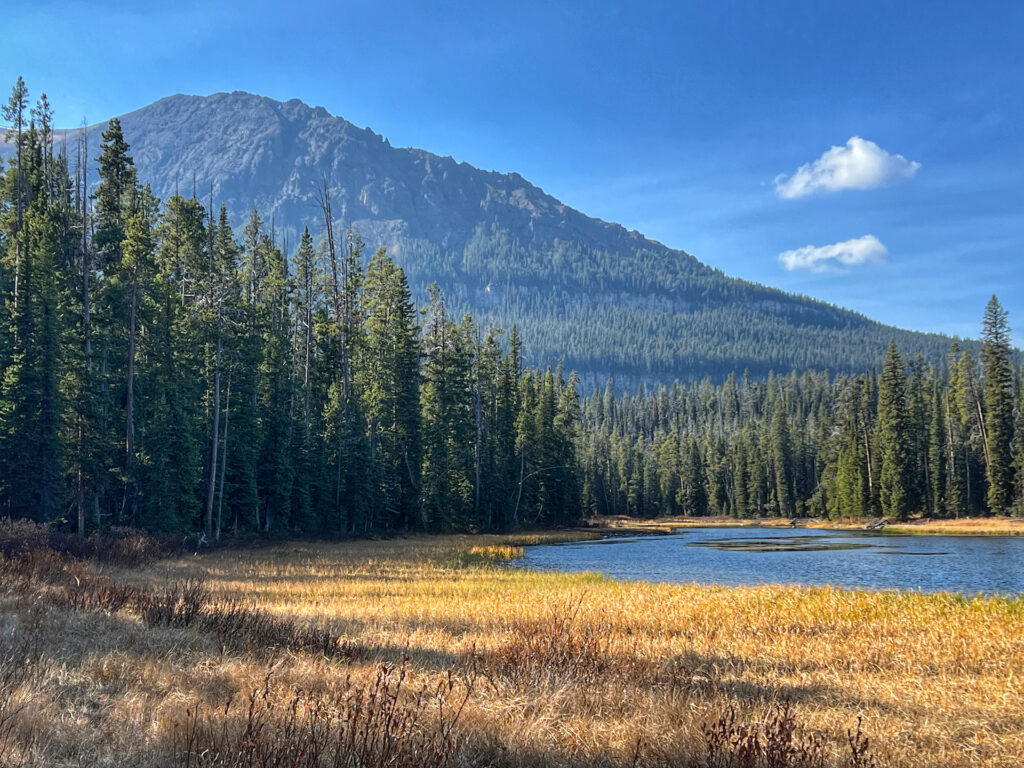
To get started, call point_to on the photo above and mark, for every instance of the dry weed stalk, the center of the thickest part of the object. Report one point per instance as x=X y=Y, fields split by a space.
x=378 y=725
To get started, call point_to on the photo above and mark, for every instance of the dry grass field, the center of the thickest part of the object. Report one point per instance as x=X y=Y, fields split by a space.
x=427 y=651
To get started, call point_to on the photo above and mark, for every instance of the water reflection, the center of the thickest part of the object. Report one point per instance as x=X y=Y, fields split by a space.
x=988 y=565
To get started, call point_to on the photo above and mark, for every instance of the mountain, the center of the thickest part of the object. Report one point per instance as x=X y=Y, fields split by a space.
x=607 y=301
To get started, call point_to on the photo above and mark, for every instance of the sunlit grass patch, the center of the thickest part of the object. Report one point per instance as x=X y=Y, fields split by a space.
x=484 y=556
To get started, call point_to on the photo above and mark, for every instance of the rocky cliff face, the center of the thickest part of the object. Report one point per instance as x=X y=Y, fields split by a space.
x=256 y=152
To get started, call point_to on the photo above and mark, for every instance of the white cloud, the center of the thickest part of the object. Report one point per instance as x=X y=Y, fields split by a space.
x=861 y=164
x=823 y=258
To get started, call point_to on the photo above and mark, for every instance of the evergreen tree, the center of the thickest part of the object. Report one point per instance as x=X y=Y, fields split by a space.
x=219 y=312
x=115 y=195
x=388 y=376
x=895 y=481
x=117 y=198
x=938 y=461
x=692 y=494
x=304 y=311
x=782 y=458
x=852 y=495
x=446 y=411
x=997 y=397
x=17 y=186
x=30 y=397
x=135 y=272
x=274 y=391
x=966 y=403
x=1018 y=458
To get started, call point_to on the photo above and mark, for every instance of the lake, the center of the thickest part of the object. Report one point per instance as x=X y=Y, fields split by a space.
x=740 y=556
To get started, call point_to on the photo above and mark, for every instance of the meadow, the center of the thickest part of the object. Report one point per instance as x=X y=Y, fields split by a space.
x=431 y=651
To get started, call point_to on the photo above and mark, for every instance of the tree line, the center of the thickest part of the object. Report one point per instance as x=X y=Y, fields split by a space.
x=647 y=314
x=160 y=370
x=917 y=439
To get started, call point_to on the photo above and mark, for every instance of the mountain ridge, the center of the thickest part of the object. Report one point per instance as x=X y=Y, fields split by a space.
x=606 y=300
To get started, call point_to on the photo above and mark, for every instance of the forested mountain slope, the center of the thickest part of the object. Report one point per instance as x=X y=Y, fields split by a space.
x=607 y=301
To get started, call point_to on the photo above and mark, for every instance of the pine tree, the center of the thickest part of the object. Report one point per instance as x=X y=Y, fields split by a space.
x=18 y=187
x=967 y=413
x=869 y=428
x=30 y=392
x=895 y=482
x=692 y=494
x=852 y=495
x=938 y=460
x=135 y=272
x=170 y=435
x=447 y=417
x=782 y=459
x=919 y=414
x=667 y=453
x=219 y=311
x=115 y=195
x=276 y=469
x=1018 y=458
x=117 y=198
x=304 y=311
x=997 y=398
x=388 y=374
x=30 y=386
x=503 y=435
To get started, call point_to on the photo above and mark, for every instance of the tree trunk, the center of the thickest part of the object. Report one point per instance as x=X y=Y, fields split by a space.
x=80 y=502
x=129 y=441
x=325 y=207
x=19 y=184
x=82 y=182
x=208 y=518
x=104 y=412
x=967 y=472
x=306 y=386
x=476 y=447
x=224 y=464
x=867 y=455
x=984 y=432
x=522 y=478
x=950 y=454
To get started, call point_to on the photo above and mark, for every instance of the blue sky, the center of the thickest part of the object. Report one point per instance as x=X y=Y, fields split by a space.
x=687 y=121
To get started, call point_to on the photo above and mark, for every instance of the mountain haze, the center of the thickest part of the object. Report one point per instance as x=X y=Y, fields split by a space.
x=607 y=301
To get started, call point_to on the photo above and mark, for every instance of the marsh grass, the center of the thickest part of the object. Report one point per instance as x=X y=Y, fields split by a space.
x=544 y=668
x=486 y=556
x=377 y=725
x=968 y=526
x=973 y=526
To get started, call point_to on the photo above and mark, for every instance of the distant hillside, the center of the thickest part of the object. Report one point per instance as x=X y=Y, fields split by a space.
x=607 y=301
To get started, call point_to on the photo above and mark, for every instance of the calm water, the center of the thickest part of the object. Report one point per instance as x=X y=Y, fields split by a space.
x=735 y=556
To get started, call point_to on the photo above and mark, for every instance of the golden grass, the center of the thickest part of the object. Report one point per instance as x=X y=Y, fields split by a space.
x=967 y=526
x=565 y=669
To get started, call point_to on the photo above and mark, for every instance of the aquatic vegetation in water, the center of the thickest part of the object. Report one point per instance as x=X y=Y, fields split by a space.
x=788 y=544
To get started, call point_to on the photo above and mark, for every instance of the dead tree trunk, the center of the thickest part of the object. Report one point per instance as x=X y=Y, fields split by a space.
x=208 y=518
x=129 y=441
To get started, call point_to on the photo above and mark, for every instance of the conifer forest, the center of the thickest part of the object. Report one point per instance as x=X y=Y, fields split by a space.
x=168 y=369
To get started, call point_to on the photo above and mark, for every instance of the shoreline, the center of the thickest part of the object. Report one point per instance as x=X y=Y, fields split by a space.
x=508 y=556
x=965 y=526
